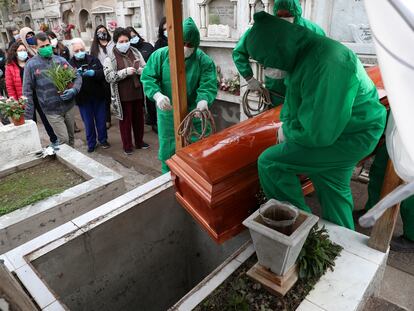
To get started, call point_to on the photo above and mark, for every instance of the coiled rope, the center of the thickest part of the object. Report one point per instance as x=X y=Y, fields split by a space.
x=187 y=130
x=265 y=102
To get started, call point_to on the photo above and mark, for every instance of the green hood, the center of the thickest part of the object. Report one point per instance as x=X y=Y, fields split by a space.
x=191 y=33
x=288 y=41
x=293 y=6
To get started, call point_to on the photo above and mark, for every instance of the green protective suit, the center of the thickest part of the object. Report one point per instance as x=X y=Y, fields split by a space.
x=376 y=179
x=201 y=81
x=332 y=117
x=241 y=56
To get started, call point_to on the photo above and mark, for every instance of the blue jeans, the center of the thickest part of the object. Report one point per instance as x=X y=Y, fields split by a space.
x=93 y=113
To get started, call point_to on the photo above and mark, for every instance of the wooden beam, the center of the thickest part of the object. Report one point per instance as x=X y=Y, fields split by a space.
x=12 y=292
x=383 y=229
x=173 y=9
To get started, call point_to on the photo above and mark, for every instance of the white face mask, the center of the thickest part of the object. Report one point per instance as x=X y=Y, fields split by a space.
x=165 y=33
x=22 y=55
x=123 y=47
x=274 y=73
x=188 y=52
x=288 y=19
x=54 y=42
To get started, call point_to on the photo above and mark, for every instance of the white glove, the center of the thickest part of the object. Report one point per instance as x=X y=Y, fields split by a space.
x=140 y=70
x=275 y=73
x=163 y=102
x=253 y=85
x=280 y=135
x=202 y=105
x=131 y=71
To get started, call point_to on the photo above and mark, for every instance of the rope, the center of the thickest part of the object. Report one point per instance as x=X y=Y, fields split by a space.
x=187 y=130
x=265 y=102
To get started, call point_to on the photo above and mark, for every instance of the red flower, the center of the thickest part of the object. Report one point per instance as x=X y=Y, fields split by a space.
x=65 y=66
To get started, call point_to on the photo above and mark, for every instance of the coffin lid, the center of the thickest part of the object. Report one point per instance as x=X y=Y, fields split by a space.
x=226 y=152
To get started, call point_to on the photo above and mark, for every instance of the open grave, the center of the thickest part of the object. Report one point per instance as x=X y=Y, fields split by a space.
x=143 y=251
x=53 y=189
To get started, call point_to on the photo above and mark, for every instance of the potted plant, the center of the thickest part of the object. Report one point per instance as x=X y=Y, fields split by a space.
x=62 y=76
x=275 y=250
x=14 y=109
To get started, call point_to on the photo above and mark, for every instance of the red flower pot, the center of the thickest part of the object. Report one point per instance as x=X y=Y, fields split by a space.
x=19 y=121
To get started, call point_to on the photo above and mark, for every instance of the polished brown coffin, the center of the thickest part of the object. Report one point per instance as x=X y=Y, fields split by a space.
x=216 y=179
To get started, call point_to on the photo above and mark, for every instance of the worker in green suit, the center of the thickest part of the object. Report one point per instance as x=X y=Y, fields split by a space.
x=405 y=242
x=201 y=81
x=332 y=117
x=289 y=10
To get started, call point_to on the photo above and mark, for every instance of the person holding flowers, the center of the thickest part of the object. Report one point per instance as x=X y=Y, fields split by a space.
x=56 y=84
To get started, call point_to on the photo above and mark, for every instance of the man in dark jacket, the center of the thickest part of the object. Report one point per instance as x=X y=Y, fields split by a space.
x=59 y=109
x=90 y=99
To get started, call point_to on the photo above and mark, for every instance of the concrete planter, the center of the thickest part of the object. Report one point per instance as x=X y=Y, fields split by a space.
x=277 y=251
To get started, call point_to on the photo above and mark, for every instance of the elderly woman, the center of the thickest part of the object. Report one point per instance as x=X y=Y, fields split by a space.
x=90 y=99
x=123 y=70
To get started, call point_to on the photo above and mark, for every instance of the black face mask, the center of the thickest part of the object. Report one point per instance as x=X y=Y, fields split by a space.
x=102 y=35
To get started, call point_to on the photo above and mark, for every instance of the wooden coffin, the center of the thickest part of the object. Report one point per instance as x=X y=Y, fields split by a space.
x=216 y=179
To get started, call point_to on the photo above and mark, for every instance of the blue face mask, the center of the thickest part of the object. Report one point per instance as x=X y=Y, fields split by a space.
x=80 y=55
x=134 y=40
x=31 y=41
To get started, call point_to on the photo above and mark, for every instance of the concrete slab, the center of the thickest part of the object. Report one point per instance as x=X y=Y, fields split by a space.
x=18 y=141
x=101 y=185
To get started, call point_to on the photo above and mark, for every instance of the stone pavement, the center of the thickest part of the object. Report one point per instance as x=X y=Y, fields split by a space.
x=137 y=169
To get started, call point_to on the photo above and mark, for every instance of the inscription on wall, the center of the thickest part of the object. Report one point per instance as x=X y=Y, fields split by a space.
x=221 y=12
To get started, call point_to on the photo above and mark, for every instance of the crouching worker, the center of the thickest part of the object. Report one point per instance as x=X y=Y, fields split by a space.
x=201 y=78
x=332 y=117
x=90 y=99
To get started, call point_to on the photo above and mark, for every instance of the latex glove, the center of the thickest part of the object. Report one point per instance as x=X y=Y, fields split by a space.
x=253 y=85
x=89 y=73
x=201 y=105
x=140 y=70
x=280 y=135
x=68 y=95
x=1 y=73
x=131 y=71
x=163 y=102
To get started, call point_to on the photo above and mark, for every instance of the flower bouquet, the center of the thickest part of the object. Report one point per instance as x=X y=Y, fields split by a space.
x=67 y=31
x=14 y=109
x=61 y=76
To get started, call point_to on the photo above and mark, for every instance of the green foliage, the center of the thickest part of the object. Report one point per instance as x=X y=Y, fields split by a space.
x=61 y=76
x=13 y=108
x=318 y=254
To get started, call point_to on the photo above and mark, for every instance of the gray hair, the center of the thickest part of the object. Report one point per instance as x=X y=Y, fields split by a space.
x=76 y=41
